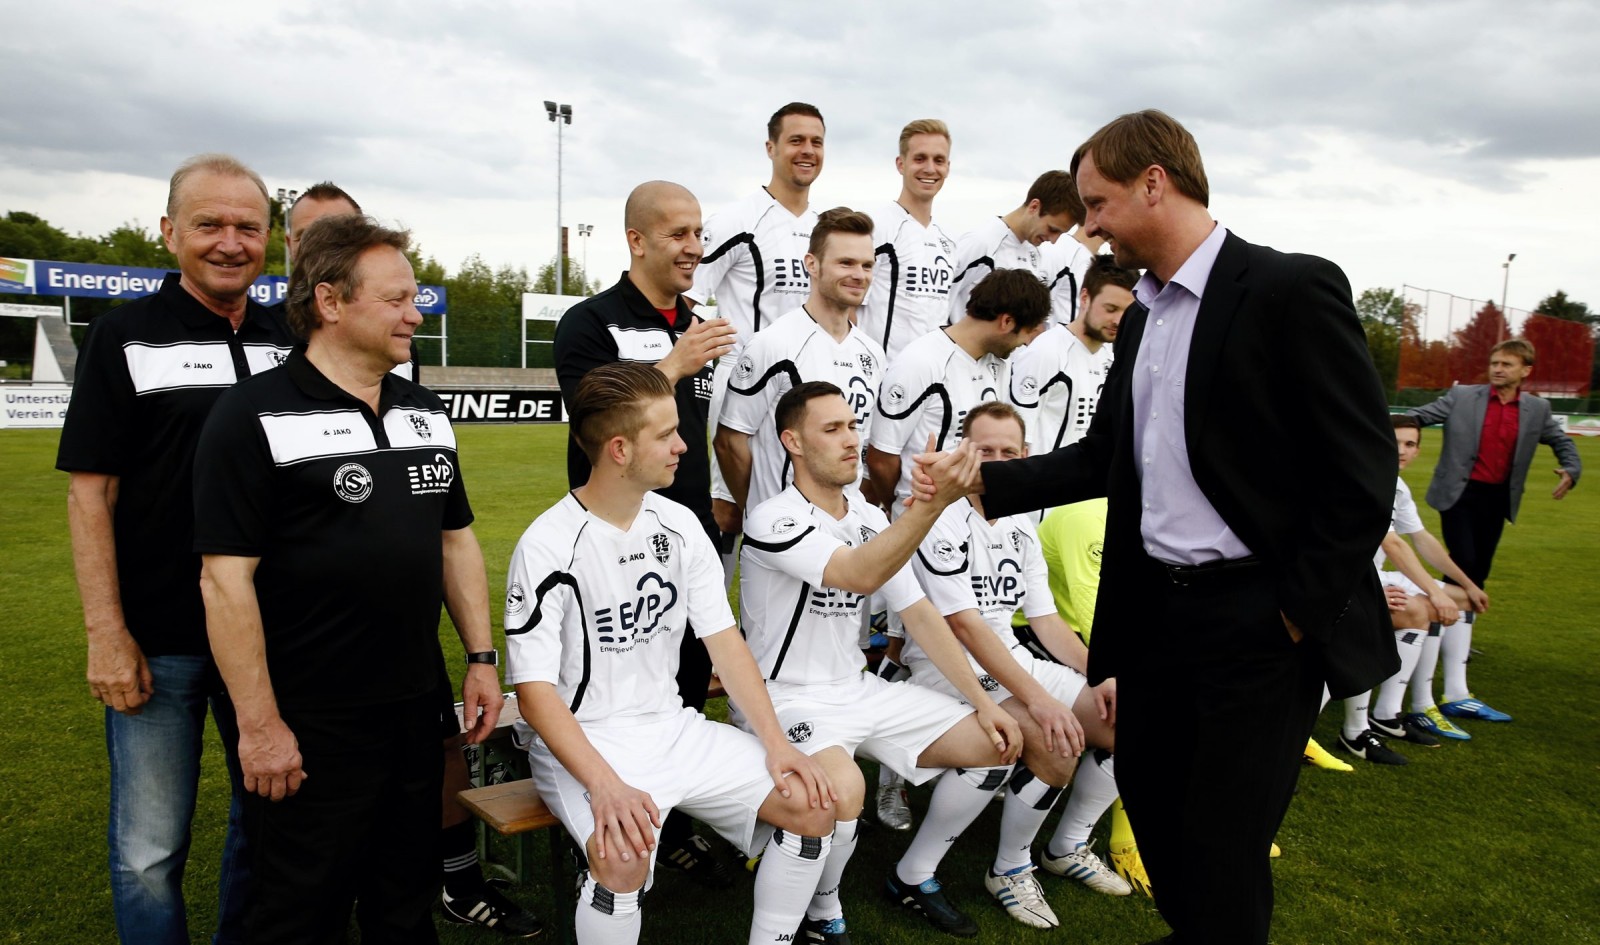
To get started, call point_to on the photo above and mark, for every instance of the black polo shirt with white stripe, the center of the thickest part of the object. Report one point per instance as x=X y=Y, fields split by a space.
x=345 y=508
x=147 y=376
x=620 y=324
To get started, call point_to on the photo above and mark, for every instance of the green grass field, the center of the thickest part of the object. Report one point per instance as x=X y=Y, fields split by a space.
x=1482 y=842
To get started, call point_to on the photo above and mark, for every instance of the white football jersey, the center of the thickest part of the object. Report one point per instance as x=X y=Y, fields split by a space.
x=982 y=251
x=600 y=613
x=926 y=391
x=755 y=262
x=1065 y=262
x=801 y=630
x=792 y=350
x=911 y=277
x=967 y=564
x=1404 y=521
x=1055 y=384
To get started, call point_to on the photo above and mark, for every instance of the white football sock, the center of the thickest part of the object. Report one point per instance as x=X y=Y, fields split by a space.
x=1355 y=715
x=958 y=799
x=1094 y=790
x=1422 y=677
x=1393 y=690
x=605 y=917
x=1027 y=803
x=1454 y=652
x=825 y=900
x=785 y=884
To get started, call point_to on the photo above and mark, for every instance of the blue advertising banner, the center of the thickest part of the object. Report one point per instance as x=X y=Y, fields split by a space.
x=85 y=280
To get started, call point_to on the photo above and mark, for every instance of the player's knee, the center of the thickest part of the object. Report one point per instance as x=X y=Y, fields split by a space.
x=618 y=875
x=1415 y=616
x=849 y=788
x=796 y=815
x=1051 y=767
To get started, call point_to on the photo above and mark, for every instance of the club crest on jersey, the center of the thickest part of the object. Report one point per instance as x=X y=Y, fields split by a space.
x=352 y=483
x=420 y=424
x=661 y=547
x=944 y=550
x=989 y=683
x=894 y=395
x=1016 y=541
x=1029 y=385
x=866 y=364
x=799 y=732
x=783 y=525
x=866 y=534
x=516 y=599
x=277 y=357
x=745 y=368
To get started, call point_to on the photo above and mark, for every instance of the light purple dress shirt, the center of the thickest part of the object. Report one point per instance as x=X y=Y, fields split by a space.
x=1178 y=524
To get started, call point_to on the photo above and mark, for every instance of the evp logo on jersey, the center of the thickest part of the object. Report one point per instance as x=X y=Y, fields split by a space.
x=834 y=602
x=431 y=478
x=928 y=280
x=632 y=621
x=1002 y=590
x=790 y=275
x=859 y=395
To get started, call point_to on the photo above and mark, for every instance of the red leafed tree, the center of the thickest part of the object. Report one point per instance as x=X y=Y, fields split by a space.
x=1565 y=352
x=1469 y=354
x=1424 y=365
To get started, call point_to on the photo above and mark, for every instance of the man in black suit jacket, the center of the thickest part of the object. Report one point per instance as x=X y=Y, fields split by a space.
x=1233 y=587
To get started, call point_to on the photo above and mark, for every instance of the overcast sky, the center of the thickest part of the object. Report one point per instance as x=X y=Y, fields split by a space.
x=1411 y=142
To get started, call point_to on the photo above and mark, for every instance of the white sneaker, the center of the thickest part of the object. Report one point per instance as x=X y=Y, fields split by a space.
x=893 y=811
x=1082 y=865
x=1019 y=891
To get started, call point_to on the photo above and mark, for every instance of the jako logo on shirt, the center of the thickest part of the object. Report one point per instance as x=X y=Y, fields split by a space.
x=640 y=617
x=352 y=482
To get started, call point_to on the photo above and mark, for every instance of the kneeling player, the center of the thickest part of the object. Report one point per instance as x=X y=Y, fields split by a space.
x=977 y=572
x=600 y=590
x=812 y=554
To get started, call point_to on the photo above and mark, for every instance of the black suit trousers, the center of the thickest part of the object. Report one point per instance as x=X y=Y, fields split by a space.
x=1213 y=716
x=1473 y=525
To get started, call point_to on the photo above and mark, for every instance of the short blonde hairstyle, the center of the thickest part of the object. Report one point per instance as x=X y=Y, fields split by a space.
x=224 y=164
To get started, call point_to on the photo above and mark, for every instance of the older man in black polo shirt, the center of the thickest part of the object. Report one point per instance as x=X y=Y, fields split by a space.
x=147 y=377
x=644 y=318
x=333 y=522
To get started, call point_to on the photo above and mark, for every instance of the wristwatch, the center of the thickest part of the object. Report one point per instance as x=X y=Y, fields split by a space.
x=491 y=657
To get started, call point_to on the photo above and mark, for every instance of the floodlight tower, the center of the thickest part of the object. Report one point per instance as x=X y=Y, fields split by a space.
x=586 y=230
x=286 y=199
x=1505 y=320
x=561 y=115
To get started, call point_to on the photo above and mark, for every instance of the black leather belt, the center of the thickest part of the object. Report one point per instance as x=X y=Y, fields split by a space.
x=1212 y=572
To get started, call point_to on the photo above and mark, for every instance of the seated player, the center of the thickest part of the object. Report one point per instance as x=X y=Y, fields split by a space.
x=1071 y=539
x=600 y=590
x=977 y=572
x=1462 y=596
x=1426 y=604
x=812 y=556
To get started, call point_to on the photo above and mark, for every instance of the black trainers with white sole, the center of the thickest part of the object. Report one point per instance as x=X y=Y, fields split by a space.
x=1369 y=747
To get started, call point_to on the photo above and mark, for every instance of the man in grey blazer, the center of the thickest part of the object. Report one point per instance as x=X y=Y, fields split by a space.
x=1490 y=434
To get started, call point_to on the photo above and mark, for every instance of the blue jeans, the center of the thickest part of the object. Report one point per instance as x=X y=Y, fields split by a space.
x=155 y=775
